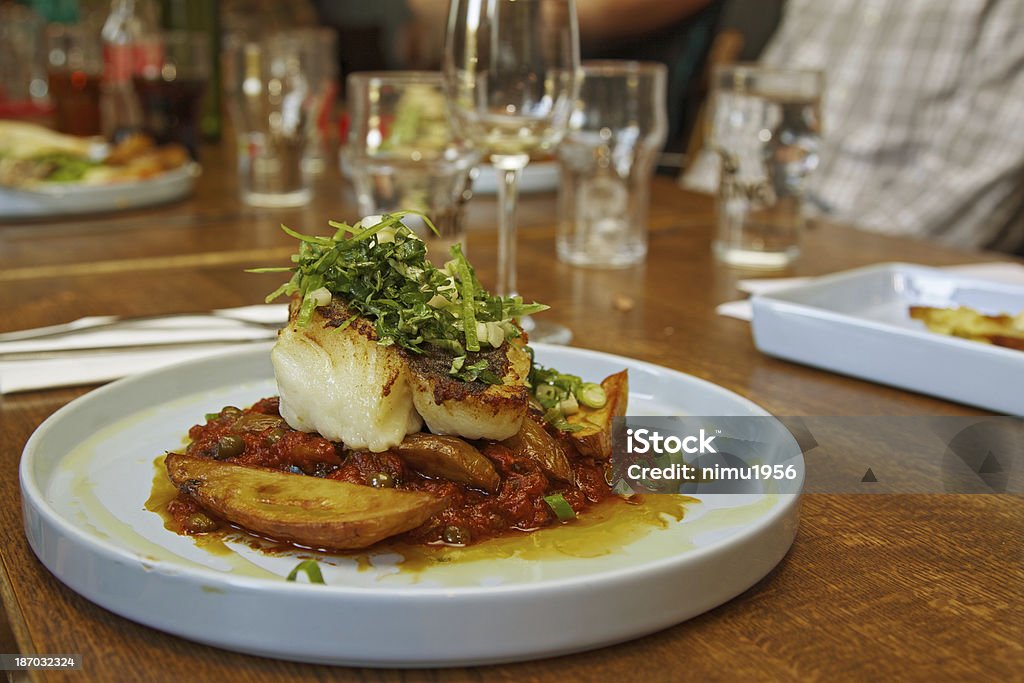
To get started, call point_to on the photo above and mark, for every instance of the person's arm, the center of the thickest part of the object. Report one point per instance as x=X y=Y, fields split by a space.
x=605 y=20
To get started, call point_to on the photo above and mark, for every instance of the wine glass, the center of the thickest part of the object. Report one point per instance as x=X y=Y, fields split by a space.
x=512 y=70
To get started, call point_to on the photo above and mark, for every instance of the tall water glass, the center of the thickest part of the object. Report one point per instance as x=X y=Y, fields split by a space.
x=607 y=160
x=267 y=87
x=765 y=124
x=403 y=153
x=512 y=71
x=321 y=47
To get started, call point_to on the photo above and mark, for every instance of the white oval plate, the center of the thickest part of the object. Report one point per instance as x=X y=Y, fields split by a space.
x=87 y=471
x=59 y=199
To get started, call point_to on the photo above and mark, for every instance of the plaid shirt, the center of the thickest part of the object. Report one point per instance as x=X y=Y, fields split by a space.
x=923 y=114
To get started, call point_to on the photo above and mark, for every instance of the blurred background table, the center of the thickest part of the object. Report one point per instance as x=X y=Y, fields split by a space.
x=874 y=584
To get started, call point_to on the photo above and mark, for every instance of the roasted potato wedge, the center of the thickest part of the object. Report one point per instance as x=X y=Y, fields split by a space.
x=595 y=439
x=532 y=441
x=449 y=457
x=316 y=512
x=967 y=323
x=257 y=422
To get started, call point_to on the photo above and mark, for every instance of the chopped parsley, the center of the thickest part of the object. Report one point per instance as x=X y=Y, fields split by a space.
x=382 y=273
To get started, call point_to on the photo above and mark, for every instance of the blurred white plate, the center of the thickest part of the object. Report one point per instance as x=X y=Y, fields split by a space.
x=59 y=199
x=88 y=470
x=538 y=176
x=858 y=323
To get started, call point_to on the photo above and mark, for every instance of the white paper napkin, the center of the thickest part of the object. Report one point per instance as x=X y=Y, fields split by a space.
x=157 y=332
x=1006 y=273
x=173 y=339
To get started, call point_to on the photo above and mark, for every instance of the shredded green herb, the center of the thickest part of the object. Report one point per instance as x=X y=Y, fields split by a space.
x=310 y=568
x=382 y=273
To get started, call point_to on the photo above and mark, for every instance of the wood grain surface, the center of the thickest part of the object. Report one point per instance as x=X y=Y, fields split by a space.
x=922 y=587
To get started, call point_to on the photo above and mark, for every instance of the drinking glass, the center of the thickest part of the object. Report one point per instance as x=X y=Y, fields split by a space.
x=171 y=96
x=403 y=153
x=607 y=160
x=321 y=47
x=512 y=71
x=765 y=124
x=267 y=85
x=75 y=73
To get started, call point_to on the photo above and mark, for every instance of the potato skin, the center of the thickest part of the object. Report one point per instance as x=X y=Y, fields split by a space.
x=315 y=512
x=533 y=442
x=595 y=439
x=448 y=457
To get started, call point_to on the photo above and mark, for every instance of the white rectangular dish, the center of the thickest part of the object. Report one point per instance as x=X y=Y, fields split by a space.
x=858 y=323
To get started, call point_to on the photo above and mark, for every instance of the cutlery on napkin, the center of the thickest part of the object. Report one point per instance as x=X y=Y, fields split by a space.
x=102 y=348
x=1004 y=272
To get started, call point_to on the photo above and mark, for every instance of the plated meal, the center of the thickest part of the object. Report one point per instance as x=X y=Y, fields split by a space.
x=32 y=156
x=1000 y=330
x=435 y=475
x=620 y=570
x=409 y=407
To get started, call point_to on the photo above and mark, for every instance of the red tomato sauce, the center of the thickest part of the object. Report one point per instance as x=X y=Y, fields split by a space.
x=259 y=437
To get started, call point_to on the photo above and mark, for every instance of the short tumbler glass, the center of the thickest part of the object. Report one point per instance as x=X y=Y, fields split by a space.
x=765 y=125
x=607 y=160
x=402 y=153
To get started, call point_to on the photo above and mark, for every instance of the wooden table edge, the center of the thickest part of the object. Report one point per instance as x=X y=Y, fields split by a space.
x=12 y=611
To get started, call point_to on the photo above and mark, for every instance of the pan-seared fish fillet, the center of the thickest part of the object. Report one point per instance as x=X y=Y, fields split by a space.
x=342 y=383
x=473 y=410
x=349 y=388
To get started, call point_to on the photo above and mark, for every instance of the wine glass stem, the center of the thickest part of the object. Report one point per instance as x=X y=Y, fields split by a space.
x=510 y=167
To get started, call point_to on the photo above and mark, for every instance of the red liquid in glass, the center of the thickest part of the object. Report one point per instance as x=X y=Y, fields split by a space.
x=171 y=110
x=76 y=97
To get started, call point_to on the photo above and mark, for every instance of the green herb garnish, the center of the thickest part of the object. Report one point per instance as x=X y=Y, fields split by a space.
x=67 y=167
x=561 y=394
x=560 y=506
x=311 y=569
x=382 y=273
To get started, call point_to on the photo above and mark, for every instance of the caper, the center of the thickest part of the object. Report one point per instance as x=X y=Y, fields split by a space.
x=228 y=446
x=275 y=435
x=455 y=535
x=230 y=411
x=198 y=523
x=382 y=480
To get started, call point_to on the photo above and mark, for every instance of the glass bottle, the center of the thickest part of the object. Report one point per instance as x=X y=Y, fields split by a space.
x=130 y=46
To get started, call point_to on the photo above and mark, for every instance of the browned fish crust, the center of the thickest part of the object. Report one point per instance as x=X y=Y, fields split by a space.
x=433 y=365
x=336 y=313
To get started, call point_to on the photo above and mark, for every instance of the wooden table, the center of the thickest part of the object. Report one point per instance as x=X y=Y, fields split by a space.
x=922 y=586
